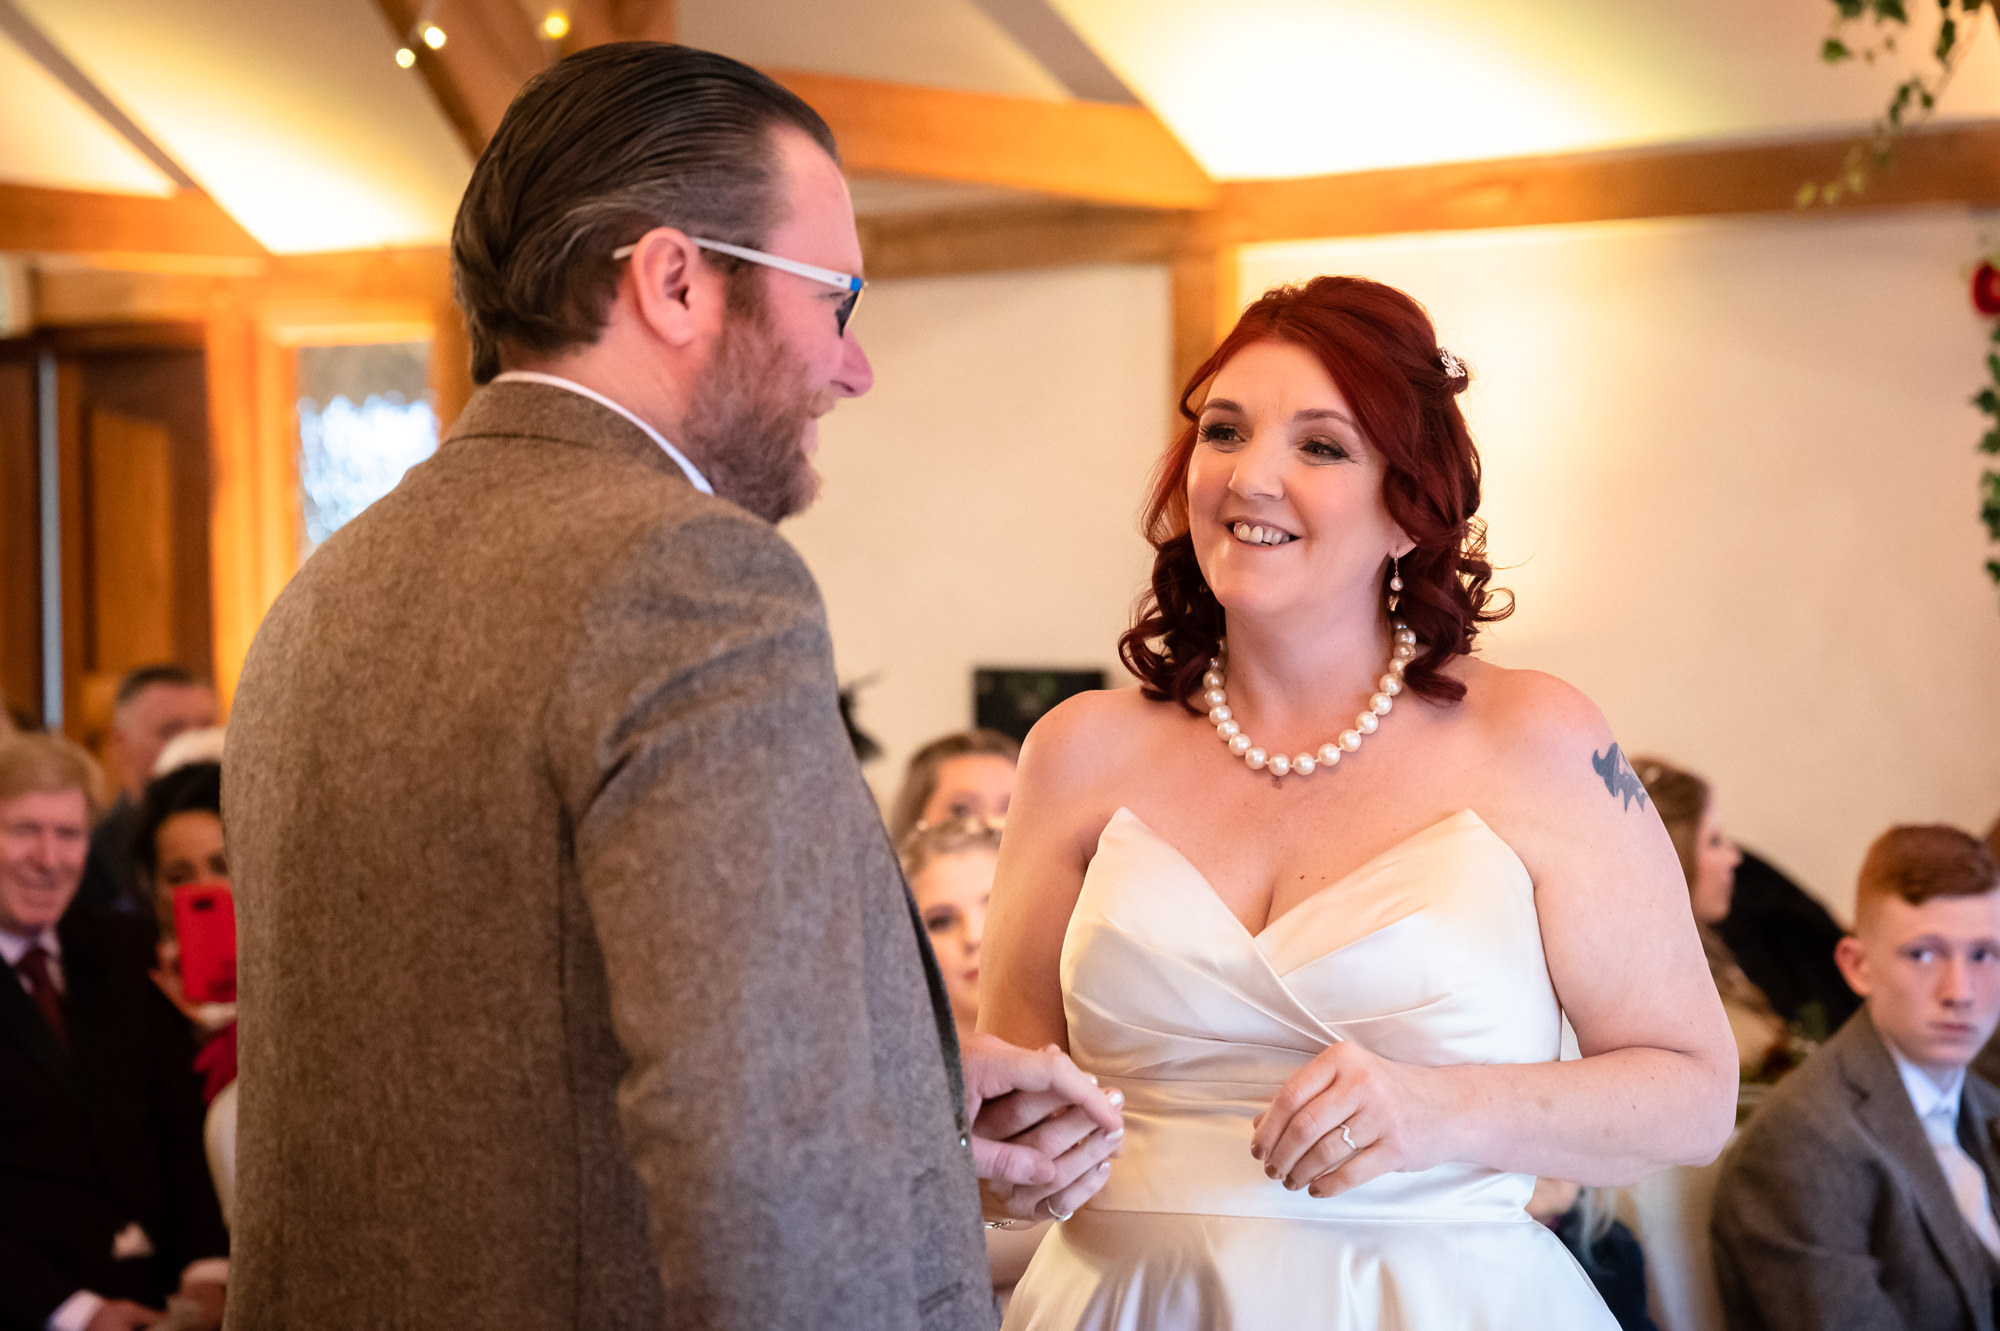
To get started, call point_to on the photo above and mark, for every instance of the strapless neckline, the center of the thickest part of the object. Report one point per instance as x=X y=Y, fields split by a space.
x=1327 y=891
x=1428 y=953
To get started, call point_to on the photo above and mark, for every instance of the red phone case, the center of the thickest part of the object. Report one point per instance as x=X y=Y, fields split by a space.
x=205 y=920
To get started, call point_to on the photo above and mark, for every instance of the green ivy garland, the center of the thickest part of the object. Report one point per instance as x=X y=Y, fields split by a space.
x=1912 y=102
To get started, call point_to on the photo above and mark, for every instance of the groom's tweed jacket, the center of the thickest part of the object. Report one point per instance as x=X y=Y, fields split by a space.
x=580 y=987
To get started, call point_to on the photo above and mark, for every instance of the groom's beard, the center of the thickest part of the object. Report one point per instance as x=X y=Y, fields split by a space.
x=746 y=426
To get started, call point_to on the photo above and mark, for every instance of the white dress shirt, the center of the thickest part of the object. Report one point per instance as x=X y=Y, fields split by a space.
x=1937 y=1109
x=693 y=472
x=15 y=946
x=74 y=1313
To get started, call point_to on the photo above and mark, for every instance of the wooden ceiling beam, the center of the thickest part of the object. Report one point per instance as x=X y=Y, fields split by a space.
x=595 y=22
x=1954 y=164
x=63 y=221
x=1013 y=238
x=1078 y=150
x=491 y=49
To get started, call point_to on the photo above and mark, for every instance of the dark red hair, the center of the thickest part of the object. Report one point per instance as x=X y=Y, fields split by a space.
x=1380 y=349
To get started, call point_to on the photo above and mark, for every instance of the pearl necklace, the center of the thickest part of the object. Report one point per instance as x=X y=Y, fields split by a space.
x=1305 y=764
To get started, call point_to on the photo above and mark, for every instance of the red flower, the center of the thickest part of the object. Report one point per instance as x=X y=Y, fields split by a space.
x=1986 y=289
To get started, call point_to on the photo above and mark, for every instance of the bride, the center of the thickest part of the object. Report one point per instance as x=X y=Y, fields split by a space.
x=1316 y=897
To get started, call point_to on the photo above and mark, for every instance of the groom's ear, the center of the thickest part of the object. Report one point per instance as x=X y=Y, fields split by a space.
x=676 y=296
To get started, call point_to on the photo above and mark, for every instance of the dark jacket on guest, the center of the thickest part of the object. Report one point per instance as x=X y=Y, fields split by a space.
x=1832 y=1214
x=1784 y=939
x=100 y=1135
x=110 y=879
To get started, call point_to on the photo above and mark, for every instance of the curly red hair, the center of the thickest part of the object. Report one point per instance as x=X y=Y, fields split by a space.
x=1380 y=348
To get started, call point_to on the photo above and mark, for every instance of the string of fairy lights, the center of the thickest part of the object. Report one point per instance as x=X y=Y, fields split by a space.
x=427 y=33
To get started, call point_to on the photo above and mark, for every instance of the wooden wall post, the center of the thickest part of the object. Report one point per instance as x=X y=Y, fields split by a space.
x=1203 y=277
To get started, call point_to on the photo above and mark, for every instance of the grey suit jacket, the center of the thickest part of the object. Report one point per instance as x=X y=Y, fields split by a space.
x=579 y=984
x=1831 y=1210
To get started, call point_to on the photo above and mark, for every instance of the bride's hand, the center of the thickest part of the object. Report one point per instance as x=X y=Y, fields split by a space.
x=1393 y=1114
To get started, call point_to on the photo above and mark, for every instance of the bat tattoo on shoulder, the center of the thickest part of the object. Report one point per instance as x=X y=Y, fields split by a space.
x=1619 y=778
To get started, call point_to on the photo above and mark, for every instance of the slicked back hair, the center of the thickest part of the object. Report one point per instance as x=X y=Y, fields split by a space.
x=596 y=151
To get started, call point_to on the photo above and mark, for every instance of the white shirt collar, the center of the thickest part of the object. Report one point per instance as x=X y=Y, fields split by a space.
x=699 y=481
x=13 y=946
x=1926 y=1096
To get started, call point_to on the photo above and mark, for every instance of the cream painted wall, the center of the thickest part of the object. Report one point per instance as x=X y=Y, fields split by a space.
x=980 y=505
x=1733 y=461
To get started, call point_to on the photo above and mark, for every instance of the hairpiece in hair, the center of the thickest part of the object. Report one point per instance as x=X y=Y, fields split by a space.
x=1453 y=366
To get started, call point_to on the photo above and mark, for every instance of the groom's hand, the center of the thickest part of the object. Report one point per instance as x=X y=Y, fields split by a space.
x=1042 y=1131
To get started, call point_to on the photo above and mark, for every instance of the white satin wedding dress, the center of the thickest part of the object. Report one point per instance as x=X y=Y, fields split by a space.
x=1430 y=953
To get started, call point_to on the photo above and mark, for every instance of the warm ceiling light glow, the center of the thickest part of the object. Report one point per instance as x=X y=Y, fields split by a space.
x=405 y=56
x=434 y=37
x=1300 y=87
x=556 y=25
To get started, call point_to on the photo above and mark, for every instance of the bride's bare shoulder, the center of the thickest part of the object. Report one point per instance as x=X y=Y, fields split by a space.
x=1528 y=714
x=1090 y=738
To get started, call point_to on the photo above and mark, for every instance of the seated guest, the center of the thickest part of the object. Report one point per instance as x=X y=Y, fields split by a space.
x=1708 y=860
x=1861 y=1194
x=965 y=775
x=178 y=843
x=106 y=1208
x=1602 y=1245
x=950 y=866
x=153 y=704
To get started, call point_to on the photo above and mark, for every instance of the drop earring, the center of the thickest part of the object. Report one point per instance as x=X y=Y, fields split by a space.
x=1395 y=582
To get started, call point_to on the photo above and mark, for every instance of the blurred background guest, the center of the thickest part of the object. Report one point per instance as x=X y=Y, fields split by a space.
x=1777 y=933
x=950 y=867
x=1609 y=1254
x=1709 y=859
x=176 y=843
x=108 y=1206
x=153 y=704
x=962 y=775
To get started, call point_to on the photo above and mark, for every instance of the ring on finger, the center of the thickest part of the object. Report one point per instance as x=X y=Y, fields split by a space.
x=1348 y=1138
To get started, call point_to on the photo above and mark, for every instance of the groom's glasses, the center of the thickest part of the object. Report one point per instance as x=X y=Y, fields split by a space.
x=847 y=282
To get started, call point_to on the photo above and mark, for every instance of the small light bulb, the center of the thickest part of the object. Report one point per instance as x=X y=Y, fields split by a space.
x=556 y=25
x=434 y=37
x=405 y=56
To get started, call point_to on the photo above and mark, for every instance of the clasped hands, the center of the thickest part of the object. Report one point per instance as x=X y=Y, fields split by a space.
x=1043 y=1132
x=1350 y=1116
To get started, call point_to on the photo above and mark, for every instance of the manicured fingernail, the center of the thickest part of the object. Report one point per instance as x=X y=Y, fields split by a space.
x=1116 y=1097
x=1095 y=1082
x=1293 y=1185
x=1314 y=1190
x=1270 y=1171
x=1256 y=1151
x=1104 y=1167
x=1117 y=1136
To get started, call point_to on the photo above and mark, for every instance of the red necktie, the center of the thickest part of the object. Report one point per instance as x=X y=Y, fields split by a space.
x=34 y=968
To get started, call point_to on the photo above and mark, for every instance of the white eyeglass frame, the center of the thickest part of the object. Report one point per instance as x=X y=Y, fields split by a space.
x=840 y=281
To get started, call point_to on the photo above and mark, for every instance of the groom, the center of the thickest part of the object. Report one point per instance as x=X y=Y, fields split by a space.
x=579 y=987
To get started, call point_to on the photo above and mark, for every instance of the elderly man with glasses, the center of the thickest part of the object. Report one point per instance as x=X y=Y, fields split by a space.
x=579 y=985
